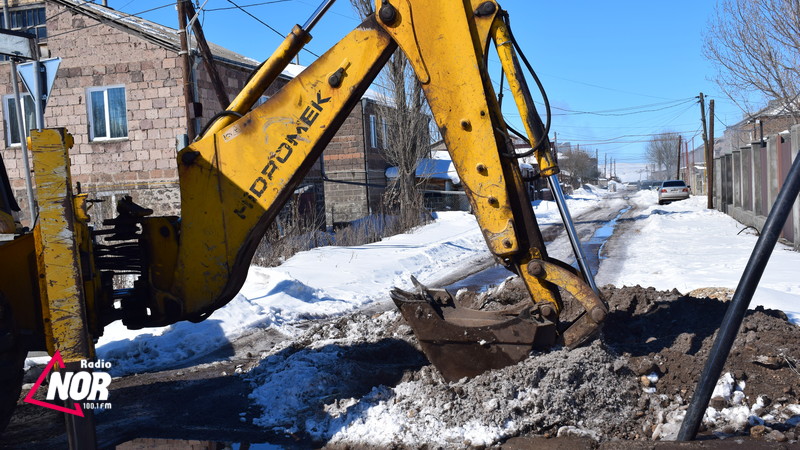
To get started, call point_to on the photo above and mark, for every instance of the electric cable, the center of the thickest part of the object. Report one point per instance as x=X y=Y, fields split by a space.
x=546 y=101
x=246 y=6
x=266 y=24
x=216 y=117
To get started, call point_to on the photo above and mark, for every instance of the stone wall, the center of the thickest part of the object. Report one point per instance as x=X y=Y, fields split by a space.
x=751 y=178
x=354 y=168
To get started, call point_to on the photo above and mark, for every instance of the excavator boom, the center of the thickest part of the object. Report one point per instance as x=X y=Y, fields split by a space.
x=236 y=177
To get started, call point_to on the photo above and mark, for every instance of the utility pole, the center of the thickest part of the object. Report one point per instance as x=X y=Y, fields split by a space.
x=678 y=169
x=186 y=73
x=208 y=58
x=706 y=149
x=597 y=164
x=710 y=163
x=605 y=166
x=688 y=172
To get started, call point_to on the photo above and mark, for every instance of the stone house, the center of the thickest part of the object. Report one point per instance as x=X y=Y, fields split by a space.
x=773 y=118
x=123 y=103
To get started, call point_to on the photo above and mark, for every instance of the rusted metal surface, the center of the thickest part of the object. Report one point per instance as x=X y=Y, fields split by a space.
x=462 y=342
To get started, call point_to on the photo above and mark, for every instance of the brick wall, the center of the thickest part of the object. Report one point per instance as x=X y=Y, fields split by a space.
x=143 y=164
x=350 y=157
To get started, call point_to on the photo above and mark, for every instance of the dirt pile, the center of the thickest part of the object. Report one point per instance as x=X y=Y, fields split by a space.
x=634 y=382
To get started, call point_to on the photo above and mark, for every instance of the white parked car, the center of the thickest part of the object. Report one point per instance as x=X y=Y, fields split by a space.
x=672 y=190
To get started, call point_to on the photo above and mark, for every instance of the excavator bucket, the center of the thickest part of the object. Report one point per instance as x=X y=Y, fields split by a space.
x=462 y=342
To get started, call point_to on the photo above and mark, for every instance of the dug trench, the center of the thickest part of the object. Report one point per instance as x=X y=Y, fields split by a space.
x=360 y=382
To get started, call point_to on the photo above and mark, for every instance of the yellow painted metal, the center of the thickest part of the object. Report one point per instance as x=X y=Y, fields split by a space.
x=7 y=224
x=20 y=286
x=519 y=88
x=483 y=22
x=60 y=280
x=233 y=182
x=446 y=57
x=447 y=50
x=263 y=77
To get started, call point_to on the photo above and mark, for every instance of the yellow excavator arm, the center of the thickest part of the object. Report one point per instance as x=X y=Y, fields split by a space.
x=235 y=178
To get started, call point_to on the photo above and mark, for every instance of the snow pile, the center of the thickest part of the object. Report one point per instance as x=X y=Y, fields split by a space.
x=308 y=391
x=330 y=281
x=686 y=246
x=733 y=412
x=319 y=283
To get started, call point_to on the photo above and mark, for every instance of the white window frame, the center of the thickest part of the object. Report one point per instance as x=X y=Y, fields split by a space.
x=107 y=113
x=373 y=131
x=7 y=118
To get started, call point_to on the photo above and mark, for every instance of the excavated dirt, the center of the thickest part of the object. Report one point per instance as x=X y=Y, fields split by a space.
x=633 y=383
x=367 y=386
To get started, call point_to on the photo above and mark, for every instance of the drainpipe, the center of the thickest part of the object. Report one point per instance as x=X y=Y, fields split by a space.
x=21 y=126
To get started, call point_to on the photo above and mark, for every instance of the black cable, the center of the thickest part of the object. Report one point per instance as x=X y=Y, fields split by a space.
x=546 y=101
x=245 y=6
x=216 y=117
x=524 y=139
x=500 y=95
x=265 y=24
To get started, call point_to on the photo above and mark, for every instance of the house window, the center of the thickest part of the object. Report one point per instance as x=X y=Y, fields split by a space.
x=373 y=131
x=30 y=20
x=10 y=117
x=107 y=113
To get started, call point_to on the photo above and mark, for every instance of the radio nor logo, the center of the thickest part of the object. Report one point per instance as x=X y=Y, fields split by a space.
x=85 y=389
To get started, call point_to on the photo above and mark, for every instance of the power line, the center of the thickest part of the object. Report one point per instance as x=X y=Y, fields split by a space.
x=245 y=6
x=610 y=112
x=266 y=24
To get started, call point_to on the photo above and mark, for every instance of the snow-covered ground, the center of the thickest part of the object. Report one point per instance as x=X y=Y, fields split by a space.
x=682 y=245
x=686 y=246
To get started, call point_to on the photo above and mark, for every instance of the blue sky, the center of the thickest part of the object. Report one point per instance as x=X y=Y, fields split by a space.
x=615 y=72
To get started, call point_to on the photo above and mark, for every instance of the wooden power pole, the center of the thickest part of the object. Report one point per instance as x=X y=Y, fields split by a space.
x=208 y=57
x=709 y=159
x=186 y=73
x=678 y=169
x=710 y=163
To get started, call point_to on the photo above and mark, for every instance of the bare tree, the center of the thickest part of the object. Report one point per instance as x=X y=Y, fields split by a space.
x=662 y=151
x=406 y=137
x=756 y=46
x=581 y=165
